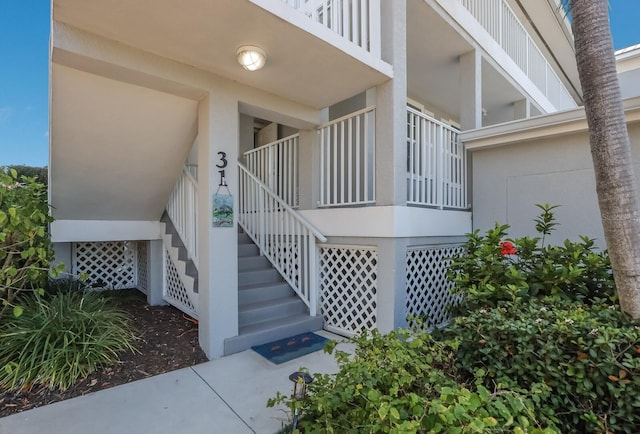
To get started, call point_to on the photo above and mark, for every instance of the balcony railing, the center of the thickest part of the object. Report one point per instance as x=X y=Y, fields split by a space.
x=276 y=165
x=499 y=20
x=436 y=163
x=355 y=20
x=347 y=160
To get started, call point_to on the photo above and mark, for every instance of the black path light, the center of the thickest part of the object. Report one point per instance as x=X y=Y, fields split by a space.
x=300 y=381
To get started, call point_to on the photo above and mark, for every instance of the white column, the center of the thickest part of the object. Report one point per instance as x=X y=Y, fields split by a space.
x=471 y=90
x=308 y=169
x=391 y=103
x=218 y=247
x=155 y=272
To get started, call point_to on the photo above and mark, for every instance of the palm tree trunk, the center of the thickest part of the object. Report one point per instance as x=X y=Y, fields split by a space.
x=610 y=149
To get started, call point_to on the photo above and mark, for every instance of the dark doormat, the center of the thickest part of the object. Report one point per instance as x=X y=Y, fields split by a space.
x=283 y=350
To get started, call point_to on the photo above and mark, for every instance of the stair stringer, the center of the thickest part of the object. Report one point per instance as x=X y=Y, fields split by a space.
x=188 y=282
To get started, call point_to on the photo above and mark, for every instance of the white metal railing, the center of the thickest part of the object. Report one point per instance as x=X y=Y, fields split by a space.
x=276 y=165
x=347 y=160
x=283 y=236
x=182 y=209
x=499 y=20
x=436 y=163
x=355 y=20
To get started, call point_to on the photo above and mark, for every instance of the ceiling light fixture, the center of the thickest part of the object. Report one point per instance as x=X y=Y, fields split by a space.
x=251 y=58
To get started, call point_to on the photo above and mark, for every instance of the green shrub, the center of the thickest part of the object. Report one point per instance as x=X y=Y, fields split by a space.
x=588 y=355
x=495 y=269
x=25 y=247
x=540 y=317
x=405 y=382
x=61 y=339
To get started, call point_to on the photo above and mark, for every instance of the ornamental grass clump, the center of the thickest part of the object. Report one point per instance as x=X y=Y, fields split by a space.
x=61 y=339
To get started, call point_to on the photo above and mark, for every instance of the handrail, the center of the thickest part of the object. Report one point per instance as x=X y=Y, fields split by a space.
x=347 y=116
x=347 y=159
x=283 y=236
x=286 y=207
x=276 y=164
x=358 y=21
x=436 y=163
x=182 y=209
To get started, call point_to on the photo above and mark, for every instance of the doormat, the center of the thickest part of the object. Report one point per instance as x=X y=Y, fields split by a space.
x=283 y=350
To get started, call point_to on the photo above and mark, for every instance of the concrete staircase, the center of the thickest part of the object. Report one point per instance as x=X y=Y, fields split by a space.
x=268 y=309
x=185 y=267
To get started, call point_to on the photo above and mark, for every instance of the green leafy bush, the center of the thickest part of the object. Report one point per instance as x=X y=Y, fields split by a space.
x=494 y=268
x=586 y=355
x=25 y=247
x=538 y=317
x=60 y=339
x=405 y=382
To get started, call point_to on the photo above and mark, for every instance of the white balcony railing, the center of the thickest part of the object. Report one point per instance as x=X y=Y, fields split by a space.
x=276 y=165
x=282 y=235
x=182 y=209
x=347 y=160
x=436 y=163
x=499 y=20
x=355 y=20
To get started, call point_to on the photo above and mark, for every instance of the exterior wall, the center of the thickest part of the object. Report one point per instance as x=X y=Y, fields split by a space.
x=556 y=169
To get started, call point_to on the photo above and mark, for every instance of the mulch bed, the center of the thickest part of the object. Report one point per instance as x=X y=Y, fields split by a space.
x=168 y=340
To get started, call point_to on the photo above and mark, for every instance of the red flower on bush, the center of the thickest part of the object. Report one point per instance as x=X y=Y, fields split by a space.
x=507 y=248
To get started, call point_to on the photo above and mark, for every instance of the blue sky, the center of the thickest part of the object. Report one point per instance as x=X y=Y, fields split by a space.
x=24 y=71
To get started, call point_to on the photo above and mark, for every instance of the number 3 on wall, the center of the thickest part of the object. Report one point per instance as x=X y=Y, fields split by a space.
x=223 y=163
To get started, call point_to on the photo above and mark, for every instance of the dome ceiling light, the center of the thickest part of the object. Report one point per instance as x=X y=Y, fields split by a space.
x=251 y=58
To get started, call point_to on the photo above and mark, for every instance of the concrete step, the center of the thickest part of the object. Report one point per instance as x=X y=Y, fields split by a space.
x=248 y=250
x=243 y=238
x=256 y=262
x=261 y=333
x=261 y=276
x=266 y=310
x=257 y=293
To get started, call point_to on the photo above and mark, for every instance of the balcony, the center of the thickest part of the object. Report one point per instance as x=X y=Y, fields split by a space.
x=501 y=22
x=358 y=21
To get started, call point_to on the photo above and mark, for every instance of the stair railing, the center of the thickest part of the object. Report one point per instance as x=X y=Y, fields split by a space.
x=182 y=209
x=284 y=237
x=276 y=165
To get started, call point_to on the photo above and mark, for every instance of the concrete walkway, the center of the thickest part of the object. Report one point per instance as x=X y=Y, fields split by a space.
x=227 y=395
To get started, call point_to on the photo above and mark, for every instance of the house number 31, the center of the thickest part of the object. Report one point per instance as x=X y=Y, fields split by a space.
x=221 y=165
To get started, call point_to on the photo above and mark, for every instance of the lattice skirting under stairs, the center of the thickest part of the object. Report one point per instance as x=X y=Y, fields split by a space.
x=348 y=288
x=108 y=265
x=427 y=294
x=175 y=292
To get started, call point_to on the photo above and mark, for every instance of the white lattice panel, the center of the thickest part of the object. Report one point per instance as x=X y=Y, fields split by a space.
x=348 y=288
x=428 y=296
x=143 y=282
x=175 y=292
x=109 y=265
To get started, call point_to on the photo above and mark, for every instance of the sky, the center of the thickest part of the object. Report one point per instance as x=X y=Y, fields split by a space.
x=24 y=73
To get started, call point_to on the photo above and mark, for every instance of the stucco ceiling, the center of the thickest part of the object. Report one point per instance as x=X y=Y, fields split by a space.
x=112 y=146
x=206 y=34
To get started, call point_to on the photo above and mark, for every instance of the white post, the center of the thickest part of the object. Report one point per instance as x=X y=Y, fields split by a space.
x=218 y=128
x=471 y=90
x=375 y=33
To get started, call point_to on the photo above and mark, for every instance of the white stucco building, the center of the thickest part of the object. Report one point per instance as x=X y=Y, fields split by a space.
x=340 y=158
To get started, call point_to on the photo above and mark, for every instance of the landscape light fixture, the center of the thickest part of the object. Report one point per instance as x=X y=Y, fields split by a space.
x=300 y=381
x=251 y=58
